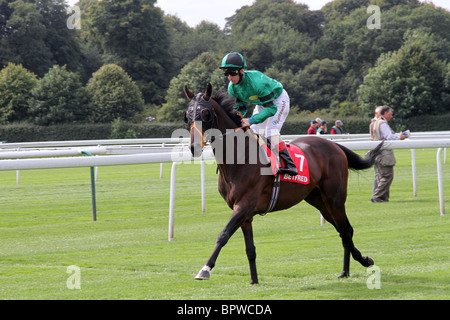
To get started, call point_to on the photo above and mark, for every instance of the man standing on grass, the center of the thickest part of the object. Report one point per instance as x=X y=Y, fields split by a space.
x=385 y=161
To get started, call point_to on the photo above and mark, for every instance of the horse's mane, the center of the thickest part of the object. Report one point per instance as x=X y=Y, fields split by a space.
x=227 y=103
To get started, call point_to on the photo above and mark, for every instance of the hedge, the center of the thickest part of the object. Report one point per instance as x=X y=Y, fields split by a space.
x=63 y=132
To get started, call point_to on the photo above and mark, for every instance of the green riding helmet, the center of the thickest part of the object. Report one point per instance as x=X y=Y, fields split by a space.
x=233 y=60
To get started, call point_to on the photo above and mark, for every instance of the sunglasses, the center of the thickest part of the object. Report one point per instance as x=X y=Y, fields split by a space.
x=231 y=73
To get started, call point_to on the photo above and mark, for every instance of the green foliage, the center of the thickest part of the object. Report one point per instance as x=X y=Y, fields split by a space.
x=113 y=94
x=133 y=35
x=26 y=132
x=58 y=98
x=34 y=34
x=188 y=43
x=120 y=130
x=16 y=84
x=411 y=80
x=319 y=80
x=276 y=34
x=196 y=74
x=321 y=57
x=23 y=37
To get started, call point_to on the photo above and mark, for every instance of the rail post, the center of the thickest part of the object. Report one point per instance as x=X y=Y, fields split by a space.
x=173 y=179
x=440 y=182
x=414 y=175
x=94 y=204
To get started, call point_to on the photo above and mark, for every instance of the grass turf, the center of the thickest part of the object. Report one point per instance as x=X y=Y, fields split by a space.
x=46 y=226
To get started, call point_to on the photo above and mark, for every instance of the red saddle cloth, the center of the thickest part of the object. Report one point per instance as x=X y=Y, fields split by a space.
x=300 y=161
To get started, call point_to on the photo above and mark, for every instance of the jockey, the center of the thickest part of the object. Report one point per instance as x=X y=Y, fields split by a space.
x=271 y=100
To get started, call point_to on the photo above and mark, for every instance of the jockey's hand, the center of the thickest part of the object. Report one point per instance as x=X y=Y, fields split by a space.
x=245 y=122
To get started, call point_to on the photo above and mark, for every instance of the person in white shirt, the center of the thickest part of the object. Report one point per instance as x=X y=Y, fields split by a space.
x=385 y=162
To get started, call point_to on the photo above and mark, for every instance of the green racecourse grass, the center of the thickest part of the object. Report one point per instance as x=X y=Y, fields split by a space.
x=46 y=226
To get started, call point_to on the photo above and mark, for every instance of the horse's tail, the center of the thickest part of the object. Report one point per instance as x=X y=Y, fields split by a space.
x=356 y=162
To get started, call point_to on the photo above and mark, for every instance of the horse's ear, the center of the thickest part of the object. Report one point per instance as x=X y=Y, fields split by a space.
x=208 y=92
x=188 y=93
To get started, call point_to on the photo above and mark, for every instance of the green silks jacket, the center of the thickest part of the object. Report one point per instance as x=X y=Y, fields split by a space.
x=256 y=88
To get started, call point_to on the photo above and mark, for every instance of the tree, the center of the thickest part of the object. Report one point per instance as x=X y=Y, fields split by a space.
x=319 y=80
x=446 y=93
x=180 y=35
x=188 y=43
x=195 y=75
x=347 y=38
x=296 y=16
x=275 y=34
x=411 y=80
x=23 y=37
x=58 y=98
x=113 y=95
x=132 y=34
x=267 y=43
x=16 y=84
x=35 y=34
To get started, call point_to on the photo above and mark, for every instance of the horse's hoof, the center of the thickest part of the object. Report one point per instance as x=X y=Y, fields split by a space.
x=202 y=275
x=369 y=261
x=344 y=274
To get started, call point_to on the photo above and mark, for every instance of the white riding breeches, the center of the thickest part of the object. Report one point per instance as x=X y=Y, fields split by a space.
x=272 y=126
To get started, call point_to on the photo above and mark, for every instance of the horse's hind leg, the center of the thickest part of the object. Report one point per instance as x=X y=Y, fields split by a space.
x=335 y=214
x=346 y=232
x=315 y=199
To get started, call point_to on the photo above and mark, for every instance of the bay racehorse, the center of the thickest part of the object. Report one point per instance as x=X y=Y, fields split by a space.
x=248 y=192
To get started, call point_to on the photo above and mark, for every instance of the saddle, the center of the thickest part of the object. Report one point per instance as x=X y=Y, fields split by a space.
x=300 y=162
x=297 y=156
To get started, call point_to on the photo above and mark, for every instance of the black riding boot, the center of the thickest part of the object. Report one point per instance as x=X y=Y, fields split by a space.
x=289 y=166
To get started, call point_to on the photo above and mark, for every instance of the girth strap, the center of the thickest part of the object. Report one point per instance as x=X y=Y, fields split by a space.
x=275 y=194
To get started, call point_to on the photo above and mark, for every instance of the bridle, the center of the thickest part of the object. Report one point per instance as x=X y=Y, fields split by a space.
x=201 y=110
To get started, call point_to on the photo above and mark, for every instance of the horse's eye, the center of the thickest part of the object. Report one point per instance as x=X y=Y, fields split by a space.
x=186 y=117
x=206 y=115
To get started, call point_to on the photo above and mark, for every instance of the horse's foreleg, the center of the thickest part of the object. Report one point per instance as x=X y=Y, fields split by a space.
x=250 y=249
x=237 y=219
